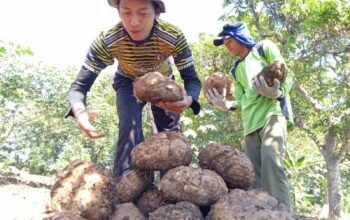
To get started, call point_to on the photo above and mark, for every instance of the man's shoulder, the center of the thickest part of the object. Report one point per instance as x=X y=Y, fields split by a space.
x=117 y=28
x=267 y=43
x=167 y=27
x=114 y=34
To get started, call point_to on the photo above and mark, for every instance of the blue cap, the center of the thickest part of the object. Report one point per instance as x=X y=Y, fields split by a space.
x=237 y=30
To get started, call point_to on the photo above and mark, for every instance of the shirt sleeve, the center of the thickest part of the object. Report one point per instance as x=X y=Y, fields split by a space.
x=184 y=63
x=98 y=56
x=272 y=53
x=79 y=88
x=238 y=92
x=96 y=60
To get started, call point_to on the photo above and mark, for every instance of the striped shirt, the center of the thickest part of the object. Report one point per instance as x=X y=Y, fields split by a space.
x=138 y=58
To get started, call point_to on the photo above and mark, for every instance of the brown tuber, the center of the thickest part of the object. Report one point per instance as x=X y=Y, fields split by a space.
x=220 y=81
x=150 y=201
x=231 y=164
x=154 y=87
x=127 y=211
x=199 y=186
x=252 y=204
x=162 y=151
x=181 y=210
x=85 y=189
x=131 y=185
x=277 y=70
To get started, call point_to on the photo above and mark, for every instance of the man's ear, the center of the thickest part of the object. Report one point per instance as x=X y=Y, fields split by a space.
x=157 y=13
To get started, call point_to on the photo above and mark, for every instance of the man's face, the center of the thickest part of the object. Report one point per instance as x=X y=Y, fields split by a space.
x=233 y=46
x=137 y=17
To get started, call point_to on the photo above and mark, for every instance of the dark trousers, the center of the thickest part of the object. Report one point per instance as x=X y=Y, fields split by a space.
x=130 y=123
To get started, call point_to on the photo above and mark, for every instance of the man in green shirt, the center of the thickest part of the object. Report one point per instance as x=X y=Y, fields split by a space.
x=266 y=111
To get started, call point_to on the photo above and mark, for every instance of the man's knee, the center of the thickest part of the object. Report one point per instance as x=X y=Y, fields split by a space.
x=271 y=159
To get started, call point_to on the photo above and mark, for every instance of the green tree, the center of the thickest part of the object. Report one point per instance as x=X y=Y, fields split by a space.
x=34 y=134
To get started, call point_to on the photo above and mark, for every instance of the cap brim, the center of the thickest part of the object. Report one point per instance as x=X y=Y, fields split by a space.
x=218 y=41
x=112 y=3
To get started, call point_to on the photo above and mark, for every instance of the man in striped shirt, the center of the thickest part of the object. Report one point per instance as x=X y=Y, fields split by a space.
x=141 y=43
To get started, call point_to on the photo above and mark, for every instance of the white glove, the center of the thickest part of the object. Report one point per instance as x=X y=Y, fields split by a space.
x=260 y=86
x=219 y=101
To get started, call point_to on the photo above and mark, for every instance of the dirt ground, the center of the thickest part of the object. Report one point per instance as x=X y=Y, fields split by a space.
x=23 y=196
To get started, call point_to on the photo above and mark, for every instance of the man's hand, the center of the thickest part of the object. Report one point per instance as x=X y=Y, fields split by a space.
x=176 y=107
x=260 y=86
x=83 y=118
x=219 y=100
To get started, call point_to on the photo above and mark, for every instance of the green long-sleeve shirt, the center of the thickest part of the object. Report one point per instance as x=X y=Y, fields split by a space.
x=255 y=107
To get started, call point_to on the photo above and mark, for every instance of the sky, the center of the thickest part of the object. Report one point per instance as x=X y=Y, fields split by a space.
x=60 y=32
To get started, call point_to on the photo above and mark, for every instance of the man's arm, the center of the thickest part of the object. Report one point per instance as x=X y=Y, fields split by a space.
x=96 y=59
x=273 y=53
x=77 y=99
x=184 y=63
x=192 y=87
x=80 y=87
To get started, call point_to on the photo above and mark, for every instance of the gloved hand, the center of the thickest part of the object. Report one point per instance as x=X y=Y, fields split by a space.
x=260 y=86
x=219 y=100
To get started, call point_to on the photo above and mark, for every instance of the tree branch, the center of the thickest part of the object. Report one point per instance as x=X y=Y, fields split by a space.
x=8 y=132
x=336 y=120
x=345 y=143
x=337 y=52
x=280 y=39
x=313 y=102
x=309 y=133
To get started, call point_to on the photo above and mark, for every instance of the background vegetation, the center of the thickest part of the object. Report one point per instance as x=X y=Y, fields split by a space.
x=314 y=37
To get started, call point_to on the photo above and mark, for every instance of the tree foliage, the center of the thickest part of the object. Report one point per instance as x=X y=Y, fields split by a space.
x=33 y=101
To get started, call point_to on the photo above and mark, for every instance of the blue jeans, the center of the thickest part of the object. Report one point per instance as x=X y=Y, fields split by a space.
x=130 y=123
